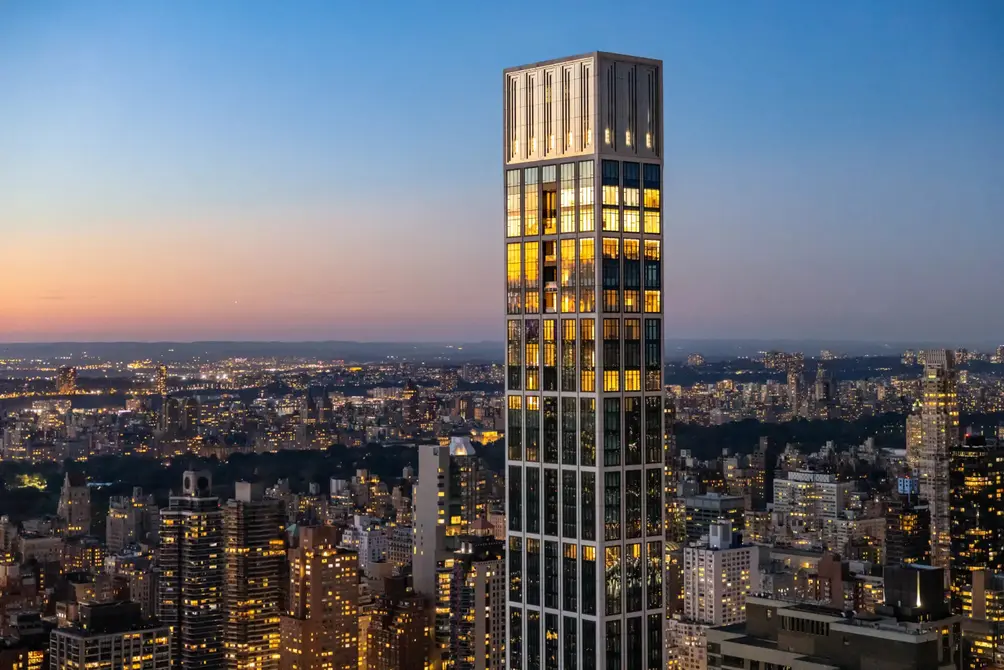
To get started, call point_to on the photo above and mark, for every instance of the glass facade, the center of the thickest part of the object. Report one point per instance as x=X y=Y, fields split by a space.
x=583 y=370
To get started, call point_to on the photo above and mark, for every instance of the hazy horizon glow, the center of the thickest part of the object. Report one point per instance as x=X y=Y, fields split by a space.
x=248 y=170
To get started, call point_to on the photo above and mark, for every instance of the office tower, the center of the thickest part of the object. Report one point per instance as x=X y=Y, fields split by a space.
x=161 y=381
x=477 y=605
x=717 y=577
x=907 y=533
x=74 y=510
x=66 y=380
x=913 y=443
x=111 y=636
x=192 y=563
x=977 y=511
x=583 y=225
x=785 y=634
x=449 y=497
x=255 y=549
x=704 y=510
x=983 y=622
x=130 y=520
x=939 y=433
x=320 y=631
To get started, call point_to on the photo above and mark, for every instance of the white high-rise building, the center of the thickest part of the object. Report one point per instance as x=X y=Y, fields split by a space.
x=717 y=578
x=939 y=433
x=804 y=503
x=582 y=161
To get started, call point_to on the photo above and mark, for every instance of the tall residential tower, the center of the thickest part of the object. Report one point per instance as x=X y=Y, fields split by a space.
x=939 y=434
x=582 y=162
x=191 y=583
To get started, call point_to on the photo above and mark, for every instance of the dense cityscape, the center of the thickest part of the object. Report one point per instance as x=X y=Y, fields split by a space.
x=132 y=486
x=578 y=493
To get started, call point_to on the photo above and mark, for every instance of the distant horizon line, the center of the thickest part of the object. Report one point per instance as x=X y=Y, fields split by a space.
x=748 y=340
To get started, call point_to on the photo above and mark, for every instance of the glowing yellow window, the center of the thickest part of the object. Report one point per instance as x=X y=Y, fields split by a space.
x=652 y=224
x=611 y=219
x=653 y=301
x=632 y=222
x=611 y=380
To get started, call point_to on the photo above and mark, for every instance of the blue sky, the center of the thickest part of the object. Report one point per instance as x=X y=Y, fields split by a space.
x=307 y=170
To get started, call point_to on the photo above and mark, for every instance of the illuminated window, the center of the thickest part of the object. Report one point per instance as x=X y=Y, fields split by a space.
x=632 y=250
x=653 y=301
x=632 y=301
x=610 y=195
x=550 y=199
x=632 y=380
x=532 y=305
x=631 y=221
x=652 y=224
x=514 y=353
x=512 y=203
x=568 y=198
x=513 y=268
x=586 y=196
x=611 y=380
x=587 y=338
x=532 y=264
x=533 y=432
x=532 y=226
x=611 y=219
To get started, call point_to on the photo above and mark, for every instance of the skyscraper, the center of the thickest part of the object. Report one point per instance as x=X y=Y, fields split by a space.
x=320 y=630
x=583 y=226
x=161 y=381
x=977 y=512
x=939 y=433
x=255 y=550
x=448 y=500
x=192 y=574
x=66 y=380
x=477 y=605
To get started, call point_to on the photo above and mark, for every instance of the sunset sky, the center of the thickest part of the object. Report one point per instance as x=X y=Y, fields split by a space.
x=331 y=170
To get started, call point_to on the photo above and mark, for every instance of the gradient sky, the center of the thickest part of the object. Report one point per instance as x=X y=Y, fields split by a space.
x=331 y=170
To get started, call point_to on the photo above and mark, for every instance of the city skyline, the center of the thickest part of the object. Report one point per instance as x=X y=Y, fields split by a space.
x=190 y=173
